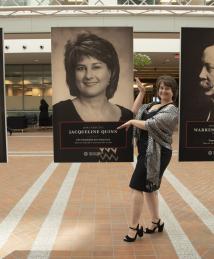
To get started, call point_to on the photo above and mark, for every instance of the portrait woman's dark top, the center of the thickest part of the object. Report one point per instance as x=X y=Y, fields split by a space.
x=65 y=110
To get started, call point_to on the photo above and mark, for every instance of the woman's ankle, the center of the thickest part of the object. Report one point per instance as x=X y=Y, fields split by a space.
x=156 y=220
x=132 y=230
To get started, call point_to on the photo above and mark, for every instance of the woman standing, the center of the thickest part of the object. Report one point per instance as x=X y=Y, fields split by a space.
x=43 y=115
x=154 y=126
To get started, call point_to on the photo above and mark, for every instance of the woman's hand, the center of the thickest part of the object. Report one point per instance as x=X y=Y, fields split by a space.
x=136 y=123
x=140 y=86
x=126 y=125
x=139 y=100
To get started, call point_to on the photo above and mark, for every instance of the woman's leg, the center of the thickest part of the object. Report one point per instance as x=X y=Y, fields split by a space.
x=153 y=205
x=135 y=211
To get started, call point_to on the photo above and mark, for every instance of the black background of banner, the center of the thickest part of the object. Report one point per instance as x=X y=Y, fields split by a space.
x=118 y=149
x=80 y=135
x=193 y=102
x=3 y=150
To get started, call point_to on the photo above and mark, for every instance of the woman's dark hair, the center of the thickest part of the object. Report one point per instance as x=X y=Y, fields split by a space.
x=170 y=82
x=43 y=102
x=88 y=44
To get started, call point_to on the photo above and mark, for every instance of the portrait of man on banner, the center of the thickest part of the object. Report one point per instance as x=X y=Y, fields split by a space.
x=92 y=94
x=197 y=95
x=3 y=146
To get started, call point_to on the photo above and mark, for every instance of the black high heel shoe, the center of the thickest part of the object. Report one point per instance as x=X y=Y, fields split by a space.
x=132 y=239
x=158 y=226
x=140 y=231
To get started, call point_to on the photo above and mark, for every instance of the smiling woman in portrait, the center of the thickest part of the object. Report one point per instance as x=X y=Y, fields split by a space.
x=92 y=74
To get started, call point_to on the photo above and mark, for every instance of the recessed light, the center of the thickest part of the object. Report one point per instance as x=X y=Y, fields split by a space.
x=167 y=60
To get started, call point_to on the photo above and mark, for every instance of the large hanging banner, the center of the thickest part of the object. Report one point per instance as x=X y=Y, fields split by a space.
x=92 y=80
x=3 y=146
x=196 y=142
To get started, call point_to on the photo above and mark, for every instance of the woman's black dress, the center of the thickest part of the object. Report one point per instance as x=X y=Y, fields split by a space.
x=139 y=177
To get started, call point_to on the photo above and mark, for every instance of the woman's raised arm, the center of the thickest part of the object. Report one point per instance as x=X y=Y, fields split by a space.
x=139 y=99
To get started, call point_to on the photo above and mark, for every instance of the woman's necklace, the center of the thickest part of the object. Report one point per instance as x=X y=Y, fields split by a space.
x=158 y=106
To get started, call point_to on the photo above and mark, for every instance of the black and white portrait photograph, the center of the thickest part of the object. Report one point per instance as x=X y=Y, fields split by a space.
x=3 y=144
x=92 y=75
x=197 y=95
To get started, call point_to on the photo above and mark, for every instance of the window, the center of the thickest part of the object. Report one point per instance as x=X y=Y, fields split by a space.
x=26 y=85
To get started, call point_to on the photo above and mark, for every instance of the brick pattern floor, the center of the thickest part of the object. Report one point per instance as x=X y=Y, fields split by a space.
x=95 y=218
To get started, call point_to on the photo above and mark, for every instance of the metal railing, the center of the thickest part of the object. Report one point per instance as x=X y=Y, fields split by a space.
x=18 y=8
x=119 y=2
x=166 y=2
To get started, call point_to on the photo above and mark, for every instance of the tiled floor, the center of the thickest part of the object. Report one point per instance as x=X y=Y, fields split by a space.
x=81 y=211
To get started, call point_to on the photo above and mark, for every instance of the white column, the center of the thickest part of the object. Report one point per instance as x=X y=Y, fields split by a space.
x=100 y=2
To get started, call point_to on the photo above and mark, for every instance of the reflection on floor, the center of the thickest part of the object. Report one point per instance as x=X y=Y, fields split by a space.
x=81 y=211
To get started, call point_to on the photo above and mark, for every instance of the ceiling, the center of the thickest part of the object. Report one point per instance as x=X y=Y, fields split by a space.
x=27 y=58
x=162 y=64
